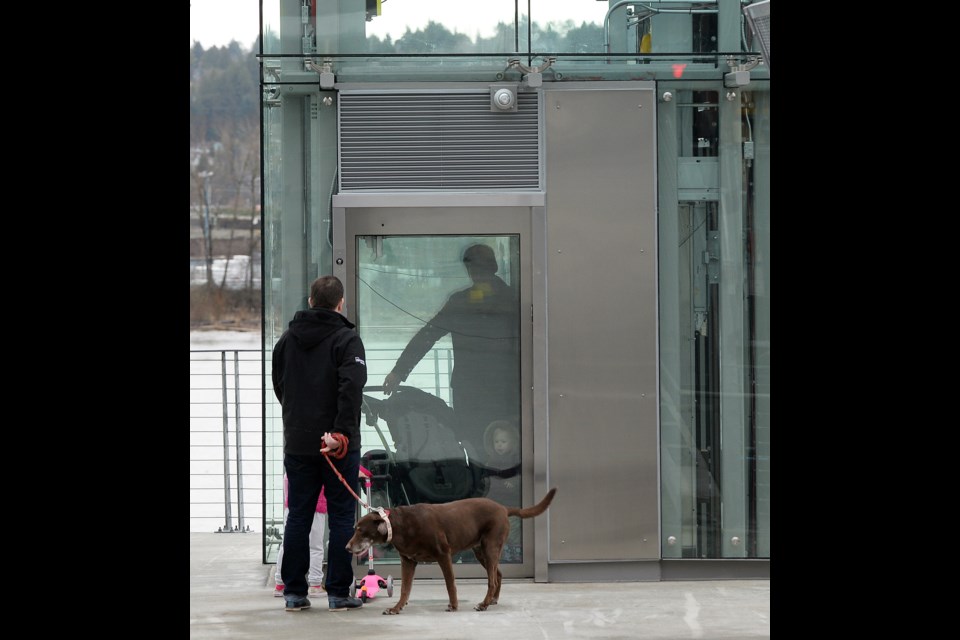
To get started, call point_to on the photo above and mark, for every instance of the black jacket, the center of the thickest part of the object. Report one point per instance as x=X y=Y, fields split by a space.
x=319 y=371
x=484 y=324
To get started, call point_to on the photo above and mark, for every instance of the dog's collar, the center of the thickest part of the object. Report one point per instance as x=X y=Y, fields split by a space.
x=386 y=519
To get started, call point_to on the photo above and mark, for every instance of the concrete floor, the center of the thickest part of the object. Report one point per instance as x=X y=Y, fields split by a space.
x=231 y=596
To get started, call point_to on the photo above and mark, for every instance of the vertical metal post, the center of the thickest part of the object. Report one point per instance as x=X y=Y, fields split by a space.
x=226 y=443
x=236 y=413
x=450 y=357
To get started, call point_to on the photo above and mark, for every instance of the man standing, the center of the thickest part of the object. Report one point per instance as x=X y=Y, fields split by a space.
x=484 y=324
x=319 y=371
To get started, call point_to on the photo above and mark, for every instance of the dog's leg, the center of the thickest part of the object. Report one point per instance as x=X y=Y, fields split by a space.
x=407 y=569
x=493 y=576
x=496 y=592
x=446 y=566
x=493 y=587
x=488 y=554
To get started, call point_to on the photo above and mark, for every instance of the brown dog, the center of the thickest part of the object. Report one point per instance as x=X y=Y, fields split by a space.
x=434 y=532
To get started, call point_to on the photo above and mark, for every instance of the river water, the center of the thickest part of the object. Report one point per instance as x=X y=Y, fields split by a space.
x=224 y=340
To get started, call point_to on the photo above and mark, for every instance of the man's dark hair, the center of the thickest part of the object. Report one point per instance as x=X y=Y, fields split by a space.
x=326 y=292
x=480 y=258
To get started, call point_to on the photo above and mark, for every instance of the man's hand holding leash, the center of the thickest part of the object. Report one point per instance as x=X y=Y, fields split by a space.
x=335 y=445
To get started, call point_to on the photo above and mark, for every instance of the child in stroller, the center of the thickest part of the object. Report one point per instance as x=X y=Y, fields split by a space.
x=427 y=463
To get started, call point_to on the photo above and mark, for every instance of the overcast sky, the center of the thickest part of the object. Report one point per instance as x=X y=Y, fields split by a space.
x=214 y=23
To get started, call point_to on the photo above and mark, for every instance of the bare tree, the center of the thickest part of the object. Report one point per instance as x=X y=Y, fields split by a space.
x=239 y=159
x=225 y=176
x=200 y=175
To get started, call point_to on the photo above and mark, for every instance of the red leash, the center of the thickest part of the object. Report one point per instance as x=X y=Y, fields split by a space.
x=343 y=452
x=342 y=480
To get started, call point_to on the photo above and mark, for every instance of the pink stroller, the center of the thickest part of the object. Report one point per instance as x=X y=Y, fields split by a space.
x=366 y=588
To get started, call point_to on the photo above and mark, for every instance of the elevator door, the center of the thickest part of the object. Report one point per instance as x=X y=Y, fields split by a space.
x=441 y=297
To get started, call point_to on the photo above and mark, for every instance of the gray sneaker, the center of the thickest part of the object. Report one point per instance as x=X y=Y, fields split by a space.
x=342 y=604
x=296 y=603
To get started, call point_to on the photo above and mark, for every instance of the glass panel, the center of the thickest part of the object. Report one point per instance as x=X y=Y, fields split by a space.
x=428 y=26
x=270 y=26
x=440 y=320
x=715 y=457
x=496 y=26
x=274 y=323
x=439 y=40
x=756 y=122
x=568 y=27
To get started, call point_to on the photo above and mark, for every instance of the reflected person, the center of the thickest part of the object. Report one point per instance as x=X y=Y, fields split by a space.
x=501 y=442
x=483 y=321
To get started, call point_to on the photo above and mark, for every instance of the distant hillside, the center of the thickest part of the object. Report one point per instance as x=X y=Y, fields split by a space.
x=224 y=179
x=225 y=146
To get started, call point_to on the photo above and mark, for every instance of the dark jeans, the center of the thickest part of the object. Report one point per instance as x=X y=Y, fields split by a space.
x=306 y=475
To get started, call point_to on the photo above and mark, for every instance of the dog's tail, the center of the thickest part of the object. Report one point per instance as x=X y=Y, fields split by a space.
x=536 y=509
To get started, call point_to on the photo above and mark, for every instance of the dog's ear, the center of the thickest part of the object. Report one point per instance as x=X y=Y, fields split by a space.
x=382 y=528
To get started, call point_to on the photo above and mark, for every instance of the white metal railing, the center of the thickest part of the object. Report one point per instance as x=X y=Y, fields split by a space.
x=226 y=440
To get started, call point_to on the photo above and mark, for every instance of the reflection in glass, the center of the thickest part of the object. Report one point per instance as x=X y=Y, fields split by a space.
x=439 y=316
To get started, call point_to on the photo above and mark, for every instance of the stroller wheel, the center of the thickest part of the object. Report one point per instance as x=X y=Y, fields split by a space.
x=390 y=586
x=363 y=597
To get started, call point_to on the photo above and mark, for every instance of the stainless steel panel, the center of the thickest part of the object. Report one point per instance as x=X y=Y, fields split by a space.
x=602 y=308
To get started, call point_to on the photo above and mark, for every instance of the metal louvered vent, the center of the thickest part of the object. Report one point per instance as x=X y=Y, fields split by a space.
x=758 y=15
x=448 y=141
